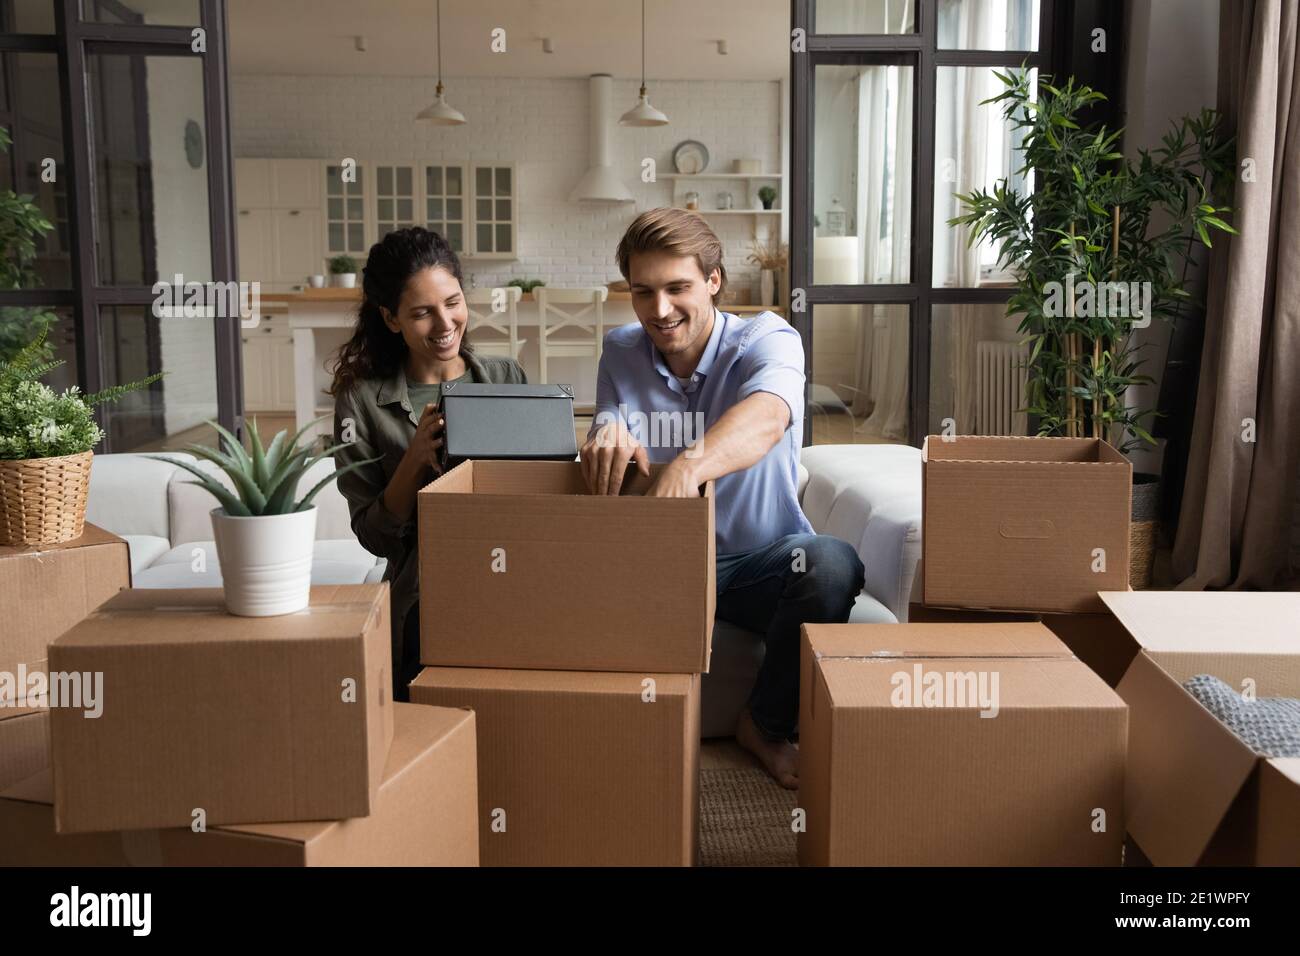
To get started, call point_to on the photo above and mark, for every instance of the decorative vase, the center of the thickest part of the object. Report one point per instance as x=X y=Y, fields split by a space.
x=43 y=500
x=766 y=287
x=265 y=561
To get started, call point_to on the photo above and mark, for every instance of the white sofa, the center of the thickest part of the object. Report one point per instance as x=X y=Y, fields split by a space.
x=165 y=522
x=867 y=495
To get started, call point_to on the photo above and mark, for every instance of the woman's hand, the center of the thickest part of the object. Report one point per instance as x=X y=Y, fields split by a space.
x=428 y=440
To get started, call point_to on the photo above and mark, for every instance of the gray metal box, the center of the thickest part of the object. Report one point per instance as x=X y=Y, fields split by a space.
x=486 y=421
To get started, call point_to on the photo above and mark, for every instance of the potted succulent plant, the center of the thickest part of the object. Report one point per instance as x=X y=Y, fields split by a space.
x=343 y=270
x=767 y=196
x=263 y=530
x=45 y=449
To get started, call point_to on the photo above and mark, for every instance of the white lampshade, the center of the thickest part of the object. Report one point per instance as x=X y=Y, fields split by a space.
x=440 y=113
x=643 y=114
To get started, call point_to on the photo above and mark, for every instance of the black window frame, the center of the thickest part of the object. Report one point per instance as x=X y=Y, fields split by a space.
x=74 y=40
x=920 y=50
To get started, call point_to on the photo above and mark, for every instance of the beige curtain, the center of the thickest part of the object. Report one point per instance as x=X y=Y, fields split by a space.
x=1236 y=518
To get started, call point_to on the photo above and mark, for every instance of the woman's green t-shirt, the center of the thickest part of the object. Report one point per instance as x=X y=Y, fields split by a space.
x=431 y=394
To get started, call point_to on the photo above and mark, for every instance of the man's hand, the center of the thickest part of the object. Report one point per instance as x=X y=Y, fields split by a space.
x=677 y=480
x=605 y=456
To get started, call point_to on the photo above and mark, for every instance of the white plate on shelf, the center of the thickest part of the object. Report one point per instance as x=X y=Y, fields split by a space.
x=690 y=157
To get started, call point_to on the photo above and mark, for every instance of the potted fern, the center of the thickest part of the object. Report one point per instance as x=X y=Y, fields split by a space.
x=1099 y=248
x=46 y=442
x=264 y=532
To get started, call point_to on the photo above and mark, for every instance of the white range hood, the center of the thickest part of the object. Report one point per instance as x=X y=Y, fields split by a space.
x=600 y=183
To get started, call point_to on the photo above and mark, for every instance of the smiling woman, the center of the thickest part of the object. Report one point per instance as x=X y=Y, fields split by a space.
x=408 y=344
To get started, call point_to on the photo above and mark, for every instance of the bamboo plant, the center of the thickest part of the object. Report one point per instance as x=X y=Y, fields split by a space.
x=1109 y=226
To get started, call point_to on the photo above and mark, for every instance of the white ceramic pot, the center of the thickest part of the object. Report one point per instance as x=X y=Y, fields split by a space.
x=265 y=561
x=316 y=281
x=345 y=280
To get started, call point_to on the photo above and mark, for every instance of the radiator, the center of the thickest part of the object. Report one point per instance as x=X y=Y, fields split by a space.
x=1000 y=378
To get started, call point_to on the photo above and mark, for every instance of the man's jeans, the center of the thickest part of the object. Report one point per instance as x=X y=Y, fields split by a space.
x=799 y=579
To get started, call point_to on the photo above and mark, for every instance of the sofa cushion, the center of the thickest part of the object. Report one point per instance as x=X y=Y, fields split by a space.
x=870 y=497
x=145 y=549
x=128 y=494
x=190 y=505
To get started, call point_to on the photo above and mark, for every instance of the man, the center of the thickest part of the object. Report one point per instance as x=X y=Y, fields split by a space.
x=728 y=394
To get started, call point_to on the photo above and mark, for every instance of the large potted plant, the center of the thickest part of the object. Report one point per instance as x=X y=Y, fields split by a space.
x=1099 y=247
x=264 y=532
x=46 y=442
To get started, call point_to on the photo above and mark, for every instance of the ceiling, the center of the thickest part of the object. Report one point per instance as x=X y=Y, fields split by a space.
x=587 y=36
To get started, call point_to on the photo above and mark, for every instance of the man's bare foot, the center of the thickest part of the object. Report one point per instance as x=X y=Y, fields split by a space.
x=779 y=757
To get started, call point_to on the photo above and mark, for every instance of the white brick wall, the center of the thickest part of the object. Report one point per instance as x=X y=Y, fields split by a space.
x=541 y=125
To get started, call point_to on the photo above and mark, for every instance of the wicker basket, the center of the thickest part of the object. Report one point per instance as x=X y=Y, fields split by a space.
x=1144 y=533
x=43 y=500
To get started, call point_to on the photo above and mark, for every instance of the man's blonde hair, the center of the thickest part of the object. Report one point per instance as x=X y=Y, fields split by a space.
x=678 y=232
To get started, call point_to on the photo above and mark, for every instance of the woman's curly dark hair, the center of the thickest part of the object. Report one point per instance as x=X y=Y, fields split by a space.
x=375 y=351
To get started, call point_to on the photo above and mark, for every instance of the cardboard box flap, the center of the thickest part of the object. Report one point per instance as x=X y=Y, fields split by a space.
x=25 y=707
x=1185 y=767
x=334 y=612
x=1254 y=622
x=1233 y=635
x=1288 y=767
x=1004 y=639
x=553 y=682
x=978 y=683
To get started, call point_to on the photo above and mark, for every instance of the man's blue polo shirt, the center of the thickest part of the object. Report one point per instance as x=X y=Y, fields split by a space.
x=754 y=507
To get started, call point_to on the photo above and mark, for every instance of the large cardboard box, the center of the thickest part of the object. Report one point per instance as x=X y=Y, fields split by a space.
x=1024 y=524
x=899 y=766
x=1196 y=792
x=520 y=567
x=45 y=590
x=24 y=741
x=580 y=769
x=245 y=719
x=425 y=814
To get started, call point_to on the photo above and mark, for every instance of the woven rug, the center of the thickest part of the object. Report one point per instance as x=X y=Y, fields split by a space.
x=745 y=819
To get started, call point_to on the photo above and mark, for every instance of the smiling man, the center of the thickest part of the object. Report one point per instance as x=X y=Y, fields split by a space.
x=742 y=381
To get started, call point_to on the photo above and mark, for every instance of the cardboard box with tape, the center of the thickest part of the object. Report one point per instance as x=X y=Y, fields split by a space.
x=1024 y=524
x=580 y=769
x=537 y=573
x=45 y=590
x=425 y=813
x=956 y=745
x=1214 y=767
x=203 y=714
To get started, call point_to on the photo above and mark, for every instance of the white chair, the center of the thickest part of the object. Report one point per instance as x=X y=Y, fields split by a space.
x=585 y=313
x=503 y=321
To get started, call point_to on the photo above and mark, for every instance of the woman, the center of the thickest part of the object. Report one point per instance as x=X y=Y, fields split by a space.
x=408 y=344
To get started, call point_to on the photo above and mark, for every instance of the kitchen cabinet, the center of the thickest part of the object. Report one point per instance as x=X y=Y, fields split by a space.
x=268 y=365
x=296 y=251
x=279 y=235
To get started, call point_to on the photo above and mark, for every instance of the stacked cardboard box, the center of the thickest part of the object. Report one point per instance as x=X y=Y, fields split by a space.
x=45 y=590
x=180 y=733
x=576 y=628
x=956 y=745
x=1027 y=529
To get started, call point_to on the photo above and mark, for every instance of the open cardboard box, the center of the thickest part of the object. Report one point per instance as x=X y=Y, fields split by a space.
x=1196 y=793
x=520 y=567
x=1024 y=524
